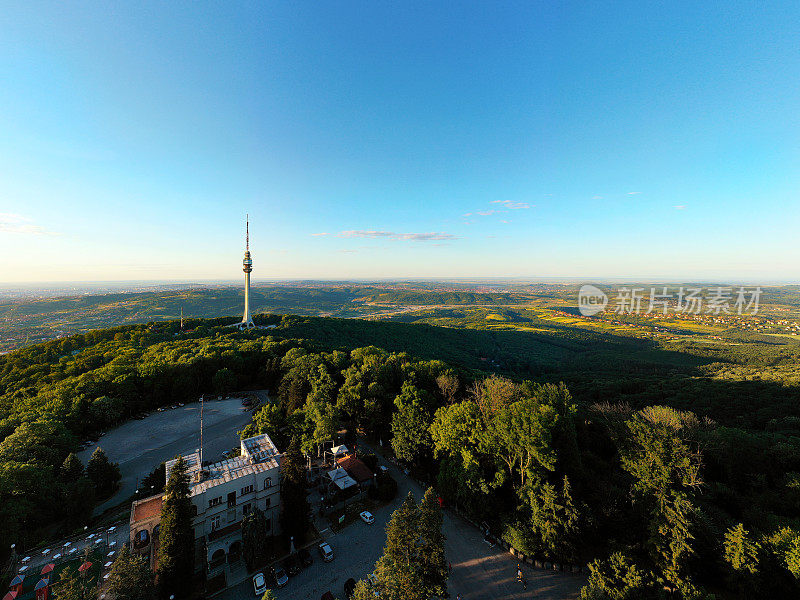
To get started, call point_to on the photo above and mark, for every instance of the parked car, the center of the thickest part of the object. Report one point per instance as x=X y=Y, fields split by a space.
x=367 y=517
x=305 y=557
x=259 y=584
x=280 y=576
x=292 y=565
x=226 y=454
x=326 y=552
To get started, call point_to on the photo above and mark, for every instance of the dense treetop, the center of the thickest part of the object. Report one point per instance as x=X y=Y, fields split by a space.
x=667 y=465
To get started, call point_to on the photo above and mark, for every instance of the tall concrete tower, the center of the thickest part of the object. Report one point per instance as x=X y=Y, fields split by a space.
x=247 y=267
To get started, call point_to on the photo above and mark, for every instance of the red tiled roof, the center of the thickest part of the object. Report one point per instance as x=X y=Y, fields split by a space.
x=147 y=508
x=355 y=468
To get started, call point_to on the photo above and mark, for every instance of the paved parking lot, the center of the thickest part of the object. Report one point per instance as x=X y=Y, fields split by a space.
x=479 y=571
x=140 y=446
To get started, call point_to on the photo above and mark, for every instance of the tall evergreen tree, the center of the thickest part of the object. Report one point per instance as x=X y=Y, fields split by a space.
x=741 y=553
x=666 y=474
x=433 y=564
x=176 y=538
x=104 y=474
x=293 y=493
x=76 y=492
x=71 y=469
x=413 y=565
x=130 y=578
x=554 y=520
x=618 y=578
x=255 y=537
x=397 y=572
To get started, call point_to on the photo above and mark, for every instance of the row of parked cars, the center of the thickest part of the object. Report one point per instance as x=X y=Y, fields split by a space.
x=279 y=573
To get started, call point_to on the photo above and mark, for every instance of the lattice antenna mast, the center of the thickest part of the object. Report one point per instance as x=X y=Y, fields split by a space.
x=202 y=402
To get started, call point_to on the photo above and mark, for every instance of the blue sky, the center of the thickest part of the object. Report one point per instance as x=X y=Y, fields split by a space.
x=377 y=139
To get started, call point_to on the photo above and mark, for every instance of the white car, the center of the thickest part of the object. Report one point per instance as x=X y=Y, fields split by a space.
x=259 y=584
x=326 y=552
x=367 y=517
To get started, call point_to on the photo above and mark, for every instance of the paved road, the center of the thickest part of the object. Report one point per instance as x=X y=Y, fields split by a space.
x=479 y=571
x=140 y=446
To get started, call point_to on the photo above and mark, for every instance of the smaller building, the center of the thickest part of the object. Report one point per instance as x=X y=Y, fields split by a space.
x=340 y=479
x=356 y=469
x=145 y=519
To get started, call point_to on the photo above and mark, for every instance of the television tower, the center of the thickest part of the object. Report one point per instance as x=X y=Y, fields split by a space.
x=247 y=267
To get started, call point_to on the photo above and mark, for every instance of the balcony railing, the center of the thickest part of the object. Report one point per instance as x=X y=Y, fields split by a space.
x=218 y=533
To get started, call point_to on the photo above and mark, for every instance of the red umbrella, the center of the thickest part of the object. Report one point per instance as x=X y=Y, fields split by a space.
x=10 y=596
x=84 y=567
x=43 y=583
x=47 y=568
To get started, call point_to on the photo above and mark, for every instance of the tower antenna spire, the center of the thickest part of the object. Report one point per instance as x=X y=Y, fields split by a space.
x=202 y=403
x=247 y=234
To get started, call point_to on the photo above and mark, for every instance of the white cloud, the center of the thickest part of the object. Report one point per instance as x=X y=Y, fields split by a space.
x=633 y=193
x=20 y=224
x=508 y=204
x=319 y=234
x=679 y=206
x=414 y=237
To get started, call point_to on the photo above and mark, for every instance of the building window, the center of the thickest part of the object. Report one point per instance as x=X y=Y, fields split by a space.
x=269 y=524
x=247 y=508
x=215 y=501
x=215 y=523
x=231 y=516
x=248 y=489
x=267 y=502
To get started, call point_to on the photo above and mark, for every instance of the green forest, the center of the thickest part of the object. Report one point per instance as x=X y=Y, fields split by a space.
x=673 y=470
